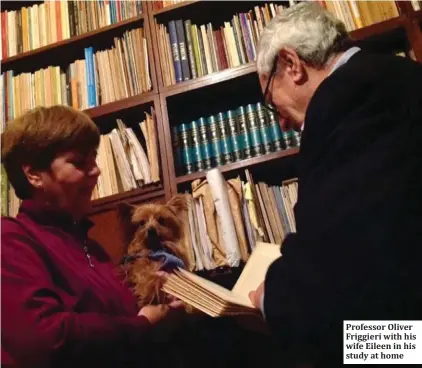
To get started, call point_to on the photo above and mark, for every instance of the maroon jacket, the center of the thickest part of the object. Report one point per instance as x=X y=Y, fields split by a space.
x=57 y=310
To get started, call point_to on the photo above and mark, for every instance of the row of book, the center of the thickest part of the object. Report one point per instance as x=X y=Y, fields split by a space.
x=127 y=157
x=102 y=77
x=357 y=14
x=227 y=137
x=226 y=219
x=158 y=5
x=189 y=51
x=416 y=4
x=52 y=21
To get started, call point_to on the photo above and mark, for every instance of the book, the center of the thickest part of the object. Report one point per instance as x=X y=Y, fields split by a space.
x=217 y=301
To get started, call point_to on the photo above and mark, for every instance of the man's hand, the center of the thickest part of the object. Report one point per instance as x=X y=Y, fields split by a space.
x=255 y=296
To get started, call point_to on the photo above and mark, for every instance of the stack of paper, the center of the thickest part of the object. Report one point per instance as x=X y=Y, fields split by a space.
x=217 y=301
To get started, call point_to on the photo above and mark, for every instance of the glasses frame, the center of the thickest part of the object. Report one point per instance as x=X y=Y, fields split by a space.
x=270 y=106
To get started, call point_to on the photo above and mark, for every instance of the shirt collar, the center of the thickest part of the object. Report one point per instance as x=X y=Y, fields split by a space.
x=46 y=215
x=343 y=59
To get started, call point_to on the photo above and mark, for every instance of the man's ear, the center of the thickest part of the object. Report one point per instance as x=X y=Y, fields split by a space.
x=178 y=203
x=33 y=176
x=292 y=65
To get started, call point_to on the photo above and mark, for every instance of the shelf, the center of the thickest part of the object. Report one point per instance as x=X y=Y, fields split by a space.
x=209 y=79
x=111 y=107
x=173 y=7
x=378 y=28
x=136 y=195
x=68 y=42
x=240 y=164
x=418 y=15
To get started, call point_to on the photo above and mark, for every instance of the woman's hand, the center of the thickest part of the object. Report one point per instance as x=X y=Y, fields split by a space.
x=157 y=313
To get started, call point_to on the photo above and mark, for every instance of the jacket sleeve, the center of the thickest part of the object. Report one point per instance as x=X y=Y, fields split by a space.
x=37 y=329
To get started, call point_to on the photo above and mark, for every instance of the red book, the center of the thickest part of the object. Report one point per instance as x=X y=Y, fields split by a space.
x=3 y=35
x=58 y=21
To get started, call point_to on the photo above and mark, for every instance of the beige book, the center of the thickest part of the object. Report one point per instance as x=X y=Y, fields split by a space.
x=207 y=49
x=110 y=162
x=217 y=301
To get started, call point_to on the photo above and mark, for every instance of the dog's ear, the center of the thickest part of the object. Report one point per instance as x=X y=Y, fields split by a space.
x=178 y=203
x=124 y=212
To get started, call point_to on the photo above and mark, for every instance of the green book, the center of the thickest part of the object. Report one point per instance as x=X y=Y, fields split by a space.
x=234 y=134
x=198 y=159
x=226 y=144
x=264 y=129
x=254 y=131
x=185 y=131
x=276 y=133
x=244 y=133
x=215 y=138
x=205 y=143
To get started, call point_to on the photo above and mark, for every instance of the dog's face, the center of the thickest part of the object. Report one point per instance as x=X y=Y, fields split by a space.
x=155 y=226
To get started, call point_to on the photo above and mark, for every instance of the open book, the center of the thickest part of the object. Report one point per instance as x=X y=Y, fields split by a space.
x=217 y=301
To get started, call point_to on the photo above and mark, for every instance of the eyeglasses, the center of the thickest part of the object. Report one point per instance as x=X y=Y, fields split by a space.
x=267 y=105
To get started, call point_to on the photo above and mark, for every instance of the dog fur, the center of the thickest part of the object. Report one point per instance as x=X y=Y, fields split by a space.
x=151 y=227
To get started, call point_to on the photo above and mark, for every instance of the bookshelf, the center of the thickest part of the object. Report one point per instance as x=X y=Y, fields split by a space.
x=193 y=98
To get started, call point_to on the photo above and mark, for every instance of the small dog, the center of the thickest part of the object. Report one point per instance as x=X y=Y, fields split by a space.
x=154 y=233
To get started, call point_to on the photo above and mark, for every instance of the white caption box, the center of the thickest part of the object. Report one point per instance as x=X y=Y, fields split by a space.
x=382 y=342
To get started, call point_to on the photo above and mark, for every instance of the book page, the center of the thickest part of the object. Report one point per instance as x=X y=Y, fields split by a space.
x=256 y=268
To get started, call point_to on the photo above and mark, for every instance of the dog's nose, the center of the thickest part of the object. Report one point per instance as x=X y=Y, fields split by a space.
x=152 y=232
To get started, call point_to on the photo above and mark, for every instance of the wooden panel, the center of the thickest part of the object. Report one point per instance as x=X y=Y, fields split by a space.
x=107 y=231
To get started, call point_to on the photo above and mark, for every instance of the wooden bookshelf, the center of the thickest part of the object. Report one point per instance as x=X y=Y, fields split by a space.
x=117 y=106
x=406 y=29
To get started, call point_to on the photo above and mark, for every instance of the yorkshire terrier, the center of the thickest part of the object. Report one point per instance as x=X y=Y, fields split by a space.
x=154 y=233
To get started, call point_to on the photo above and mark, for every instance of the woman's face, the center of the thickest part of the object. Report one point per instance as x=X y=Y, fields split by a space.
x=70 y=181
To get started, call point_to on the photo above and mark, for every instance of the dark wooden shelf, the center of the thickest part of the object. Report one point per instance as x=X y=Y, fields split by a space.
x=378 y=28
x=241 y=164
x=208 y=80
x=418 y=14
x=173 y=7
x=111 y=107
x=136 y=195
x=69 y=41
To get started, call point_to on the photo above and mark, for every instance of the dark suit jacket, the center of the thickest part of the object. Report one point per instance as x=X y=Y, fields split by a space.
x=358 y=248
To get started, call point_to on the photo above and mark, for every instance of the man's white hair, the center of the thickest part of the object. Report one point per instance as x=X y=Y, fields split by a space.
x=313 y=32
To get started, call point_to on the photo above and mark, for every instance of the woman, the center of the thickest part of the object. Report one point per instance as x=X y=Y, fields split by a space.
x=62 y=305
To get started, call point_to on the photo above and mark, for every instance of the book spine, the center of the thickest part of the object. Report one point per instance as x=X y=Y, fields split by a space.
x=287 y=139
x=255 y=136
x=264 y=129
x=3 y=35
x=201 y=49
x=234 y=135
x=176 y=148
x=196 y=143
x=243 y=131
x=188 y=32
x=71 y=18
x=182 y=50
x=226 y=145
x=90 y=83
x=175 y=51
x=205 y=143
x=276 y=133
x=185 y=134
x=217 y=152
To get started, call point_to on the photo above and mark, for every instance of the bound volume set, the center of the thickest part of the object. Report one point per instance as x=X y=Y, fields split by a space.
x=227 y=137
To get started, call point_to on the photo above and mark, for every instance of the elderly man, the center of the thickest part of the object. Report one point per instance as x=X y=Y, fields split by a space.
x=357 y=251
